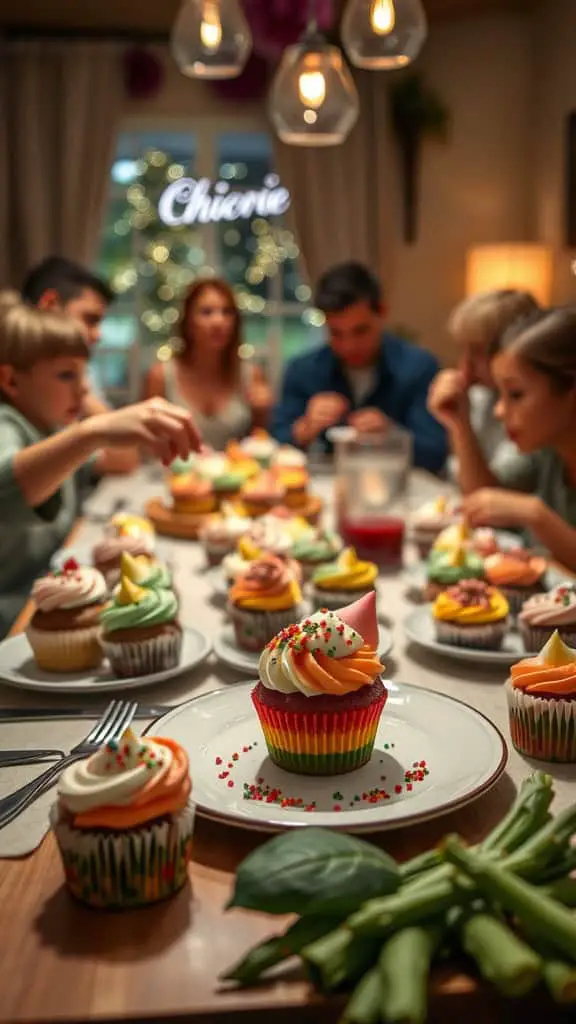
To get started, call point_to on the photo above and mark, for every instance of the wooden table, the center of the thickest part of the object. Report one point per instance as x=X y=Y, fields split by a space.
x=61 y=961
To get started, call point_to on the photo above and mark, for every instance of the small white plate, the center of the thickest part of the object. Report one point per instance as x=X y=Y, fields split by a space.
x=419 y=629
x=18 y=669
x=224 y=741
x=226 y=650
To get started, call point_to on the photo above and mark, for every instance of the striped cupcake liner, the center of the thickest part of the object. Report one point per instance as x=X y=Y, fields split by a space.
x=143 y=657
x=70 y=650
x=324 y=743
x=254 y=629
x=486 y=637
x=542 y=727
x=534 y=637
x=123 y=870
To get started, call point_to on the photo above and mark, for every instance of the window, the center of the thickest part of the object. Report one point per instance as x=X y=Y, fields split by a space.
x=150 y=264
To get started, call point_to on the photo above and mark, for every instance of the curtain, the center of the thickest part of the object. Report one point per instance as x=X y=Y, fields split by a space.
x=60 y=104
x=344 y=198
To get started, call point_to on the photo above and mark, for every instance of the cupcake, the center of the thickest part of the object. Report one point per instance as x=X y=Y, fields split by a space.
x=182 y=467
x=146 y=572
x=234 y=565
x=192 y=494
x=541 y=694
x=471 y=614
x=295 y=483
x=459 y=535
x=430 y=520
x=543 y=614
x=316 y=547
x=320 y=695
x=64 y=630
x=260 y=494
x=446 y=568
x=140 y=629
x=345 y=579
x=221 y=533
x=124 y=524
x=260 y=447
x=240 y=462
x=107 y=555
x=288 y=457
x=123 y=823
x=262 y=601
x=294 y=524
x=518 y=574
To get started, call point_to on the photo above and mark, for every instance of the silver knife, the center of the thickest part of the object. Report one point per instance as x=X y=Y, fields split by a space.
x=55 y=714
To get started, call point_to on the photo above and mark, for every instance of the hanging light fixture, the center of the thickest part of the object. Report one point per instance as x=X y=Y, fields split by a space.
x=211 y=39
x=383 y=34
x=313 y=99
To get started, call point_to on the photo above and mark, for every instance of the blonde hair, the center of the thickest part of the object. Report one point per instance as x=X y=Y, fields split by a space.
x=28 y=335
x=482 y=320
x=547 y=342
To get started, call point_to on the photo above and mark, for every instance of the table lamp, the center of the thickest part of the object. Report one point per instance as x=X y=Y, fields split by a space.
x=526 y=266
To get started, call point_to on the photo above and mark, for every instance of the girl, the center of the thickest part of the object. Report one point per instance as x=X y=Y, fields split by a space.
x=535 y=373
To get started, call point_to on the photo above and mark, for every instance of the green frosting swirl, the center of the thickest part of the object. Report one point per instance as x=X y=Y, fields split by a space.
x=318 y=547
x=158 y=575
x=442 y=570
x=157 y=608
x=231 y=481
x=181 y=466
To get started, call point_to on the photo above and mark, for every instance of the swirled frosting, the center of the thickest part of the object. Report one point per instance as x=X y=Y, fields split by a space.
x=469 y=603
x=267 y=585
x=72 y=587
x=136 y=607
x=288 y=457
x=126 y=783
x=317 y=545
x=145 y=572
x=265 y=535
x=436 y=514
x=179 y=466
x=327 y=653
x=225 y=529
x=110 y=549
x=552 y=673
x=124 y=524
x=191 y=486
x=515 y=569
x=265 y=487
x=259 y=445
x=556 y=608
x=346 y=573
x=448 y=567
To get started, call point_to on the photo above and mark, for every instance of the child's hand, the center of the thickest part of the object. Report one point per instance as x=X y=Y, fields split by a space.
x=491 y=506
x=448 y=398
x=163 y=429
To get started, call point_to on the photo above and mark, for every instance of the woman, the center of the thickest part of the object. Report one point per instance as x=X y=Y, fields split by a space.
x=205 y=375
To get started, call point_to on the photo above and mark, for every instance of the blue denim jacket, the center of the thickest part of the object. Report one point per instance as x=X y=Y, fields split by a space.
x=404 y=373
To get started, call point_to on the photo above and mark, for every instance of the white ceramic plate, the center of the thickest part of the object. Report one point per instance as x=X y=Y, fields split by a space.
x=419 y=628
x=18 y=669
x=226 y=650
x=227 y=753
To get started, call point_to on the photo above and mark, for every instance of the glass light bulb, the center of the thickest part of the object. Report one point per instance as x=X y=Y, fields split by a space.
x=382 y=16
x=312 y=89
x=211 y=39
x=211 y=26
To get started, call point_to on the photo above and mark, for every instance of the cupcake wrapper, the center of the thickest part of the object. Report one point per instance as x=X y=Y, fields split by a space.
x=143 y=657
x=534 y=637
x=255 y=629
x=116 y=871
x=335 y=599
x=541 y=727
x=486 y=637
x=328 y=743
x=70 y=650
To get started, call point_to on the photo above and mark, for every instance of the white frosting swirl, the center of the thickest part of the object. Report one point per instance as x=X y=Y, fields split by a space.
x=234 y=564
x=112 y=776
x=270 y=535
x=212 y=465
x=556 y=608
x=259 y=447
x=288 y=457
x=110 y=549
x=73 y=588
x=278 y=666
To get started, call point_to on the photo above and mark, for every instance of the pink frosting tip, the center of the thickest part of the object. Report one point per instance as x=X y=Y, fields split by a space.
x=361 y=616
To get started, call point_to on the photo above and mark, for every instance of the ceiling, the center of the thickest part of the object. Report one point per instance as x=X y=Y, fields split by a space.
x=156 y=16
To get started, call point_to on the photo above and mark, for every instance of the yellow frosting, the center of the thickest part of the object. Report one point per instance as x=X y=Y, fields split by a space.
x=290 y=596
x=129 y=593
x=128 y=525
x=347 y=573
x=447 y=608
x=452 y=537
x=248 y=550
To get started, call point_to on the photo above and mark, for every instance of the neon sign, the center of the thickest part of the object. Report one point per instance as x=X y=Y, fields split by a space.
x=198 y=200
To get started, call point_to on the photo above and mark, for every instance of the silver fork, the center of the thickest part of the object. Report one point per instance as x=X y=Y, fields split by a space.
x=115 y=719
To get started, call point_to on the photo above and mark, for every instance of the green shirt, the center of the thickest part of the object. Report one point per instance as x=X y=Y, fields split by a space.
x=542 y=474
x=28 y=536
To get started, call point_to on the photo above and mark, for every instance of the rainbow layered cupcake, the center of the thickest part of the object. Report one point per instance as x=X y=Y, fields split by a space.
x=345 y=579
x=65 y=628
x=447 y=568
x=518 y=574
x=123 y=823
x=262 y=601
x=541 y=695
x=471 y=614
x=320 y=695
x=543 y=614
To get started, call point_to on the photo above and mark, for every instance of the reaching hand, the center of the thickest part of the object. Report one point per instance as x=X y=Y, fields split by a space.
x=259 y=394
x=448 y=399
x=491 y=506
x=163 y=429
x=369 y=421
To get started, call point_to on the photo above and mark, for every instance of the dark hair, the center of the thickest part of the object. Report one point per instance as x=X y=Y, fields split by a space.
x=547 y=342
x=230 y=357
x=66 y=278
x=346 y=284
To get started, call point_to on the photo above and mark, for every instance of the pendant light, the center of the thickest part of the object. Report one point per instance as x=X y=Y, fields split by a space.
x=313 y=99
x=382 y=35
x=211 y=39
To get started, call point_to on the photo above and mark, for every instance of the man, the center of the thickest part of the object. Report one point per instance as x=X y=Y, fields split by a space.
x=60 y=284
x=364 y=376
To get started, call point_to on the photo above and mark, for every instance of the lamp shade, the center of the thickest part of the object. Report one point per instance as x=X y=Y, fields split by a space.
x=527 y=267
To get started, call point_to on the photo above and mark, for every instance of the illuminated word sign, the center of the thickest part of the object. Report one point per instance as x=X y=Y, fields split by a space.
x=191 y=201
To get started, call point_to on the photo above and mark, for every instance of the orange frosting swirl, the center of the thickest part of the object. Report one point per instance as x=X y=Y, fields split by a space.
x=267 y=585
x=552 y=672
x=514 y=569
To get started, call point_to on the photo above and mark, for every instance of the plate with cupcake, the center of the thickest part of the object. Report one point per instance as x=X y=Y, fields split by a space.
x=81 y=641
x=319 y=738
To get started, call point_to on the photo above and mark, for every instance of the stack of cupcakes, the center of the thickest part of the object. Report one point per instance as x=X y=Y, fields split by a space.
x=471 y=614
x=346 y=579
x=320 y=695
x=541 y=695
x=262 y=600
